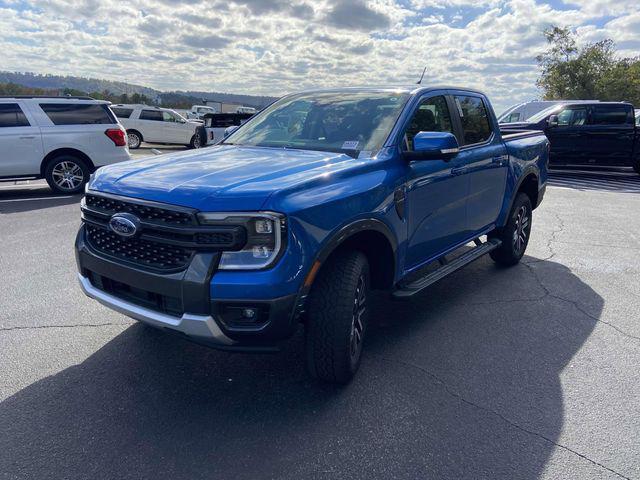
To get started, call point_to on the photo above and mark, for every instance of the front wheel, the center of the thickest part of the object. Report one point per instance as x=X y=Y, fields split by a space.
x=515 y=234
x=195 y=141
x=337 y=318
x=67 y=174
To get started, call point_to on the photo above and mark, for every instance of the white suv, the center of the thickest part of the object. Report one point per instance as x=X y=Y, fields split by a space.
x=157 y=125
x=61 y=139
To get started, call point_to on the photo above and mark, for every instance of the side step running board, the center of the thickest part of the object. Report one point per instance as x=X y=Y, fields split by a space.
x=410 y=289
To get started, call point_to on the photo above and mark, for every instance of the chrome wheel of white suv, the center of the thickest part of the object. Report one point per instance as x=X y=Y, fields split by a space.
x=134 y=140
x=67 y=174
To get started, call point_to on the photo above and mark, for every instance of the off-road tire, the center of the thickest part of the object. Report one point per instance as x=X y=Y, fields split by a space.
x=515 y=234
x=331 y=321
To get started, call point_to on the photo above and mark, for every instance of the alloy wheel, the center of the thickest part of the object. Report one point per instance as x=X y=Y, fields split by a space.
x=357 y=320
x=67 y=175
x=522 y=228
x=133 y=140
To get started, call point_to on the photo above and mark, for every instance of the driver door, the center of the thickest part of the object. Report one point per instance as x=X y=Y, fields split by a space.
x=436 y=189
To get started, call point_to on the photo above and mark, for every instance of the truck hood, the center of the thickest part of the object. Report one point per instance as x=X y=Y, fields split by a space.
x=220 y=178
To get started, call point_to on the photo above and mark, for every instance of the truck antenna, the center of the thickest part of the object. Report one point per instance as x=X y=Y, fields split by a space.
x=422 y=76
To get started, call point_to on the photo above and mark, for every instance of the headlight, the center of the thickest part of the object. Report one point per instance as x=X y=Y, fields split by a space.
x=266 y=236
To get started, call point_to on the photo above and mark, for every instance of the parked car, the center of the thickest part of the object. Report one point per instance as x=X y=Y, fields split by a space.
x=587 y=134
x=156 y=125
x=199 y=111
x=216 y=126
x=60 y=139
x=303 y=210
x=521 y=112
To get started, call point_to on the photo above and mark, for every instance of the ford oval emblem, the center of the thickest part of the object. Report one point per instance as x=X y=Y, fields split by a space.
x=124 y=224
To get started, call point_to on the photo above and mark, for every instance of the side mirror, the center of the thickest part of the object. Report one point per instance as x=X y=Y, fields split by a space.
x=433 y=146
x=553 y=121
x=229 y=130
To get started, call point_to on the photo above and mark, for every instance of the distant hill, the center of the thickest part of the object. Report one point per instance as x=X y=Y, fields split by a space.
x=179 y=99
x=248 y=100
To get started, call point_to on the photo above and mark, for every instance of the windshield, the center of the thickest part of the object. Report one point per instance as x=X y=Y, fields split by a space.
x=544 y=113
x=327 y=121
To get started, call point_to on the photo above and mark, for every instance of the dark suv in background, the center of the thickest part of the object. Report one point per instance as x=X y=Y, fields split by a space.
x=584 y=134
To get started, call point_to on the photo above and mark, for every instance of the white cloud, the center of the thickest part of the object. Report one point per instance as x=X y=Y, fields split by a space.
x=277 y=46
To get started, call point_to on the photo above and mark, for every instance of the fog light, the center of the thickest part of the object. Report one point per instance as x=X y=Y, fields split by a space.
x=249 y=313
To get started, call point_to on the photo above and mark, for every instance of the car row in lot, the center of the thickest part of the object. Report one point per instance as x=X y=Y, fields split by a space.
x=144 y=123
x=64 y=139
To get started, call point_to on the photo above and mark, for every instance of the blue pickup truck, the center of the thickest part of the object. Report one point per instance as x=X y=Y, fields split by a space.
x=302 y=211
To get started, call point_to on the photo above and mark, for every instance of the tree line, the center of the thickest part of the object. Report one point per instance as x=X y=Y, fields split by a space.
x=593 y=71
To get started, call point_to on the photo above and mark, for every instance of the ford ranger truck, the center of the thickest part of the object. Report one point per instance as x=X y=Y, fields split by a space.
x=299 y=213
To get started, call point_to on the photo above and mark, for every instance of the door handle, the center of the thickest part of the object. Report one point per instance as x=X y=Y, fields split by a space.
x=458 y=170
x=28 y=137
x=499 y=161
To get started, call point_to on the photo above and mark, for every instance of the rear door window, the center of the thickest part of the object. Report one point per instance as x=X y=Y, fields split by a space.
x=122 y=112
x=78 y=113
x=154 y=115
x=474 y=118
x=611 y=115
x=11 y=115
x=572 y=117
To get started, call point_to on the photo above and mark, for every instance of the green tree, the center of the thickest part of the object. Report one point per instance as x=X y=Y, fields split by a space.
x=592 y=71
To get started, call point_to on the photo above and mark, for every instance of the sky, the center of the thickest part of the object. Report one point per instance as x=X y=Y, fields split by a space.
x=272 y=47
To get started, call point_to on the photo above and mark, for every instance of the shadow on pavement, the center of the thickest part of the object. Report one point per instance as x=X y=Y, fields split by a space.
x=24 y=198
x=462 y=382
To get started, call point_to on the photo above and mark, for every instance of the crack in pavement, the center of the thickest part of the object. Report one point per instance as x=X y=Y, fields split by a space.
x=552 y=238
x=577 y=306
x=37 y=327
x=458 y=396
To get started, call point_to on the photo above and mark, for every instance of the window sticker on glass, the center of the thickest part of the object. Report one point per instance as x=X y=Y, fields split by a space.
x=365 y=154
x=350 y=145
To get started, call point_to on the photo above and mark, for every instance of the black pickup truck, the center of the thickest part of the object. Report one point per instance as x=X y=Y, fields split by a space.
x=585 y=134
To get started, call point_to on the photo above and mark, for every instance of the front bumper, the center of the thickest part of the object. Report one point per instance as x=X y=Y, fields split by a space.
x=198 y=326
x=181 y=302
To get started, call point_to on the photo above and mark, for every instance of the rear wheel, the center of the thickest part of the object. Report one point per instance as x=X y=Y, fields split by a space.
x=134 y=139
x=515 y=234
x=337 y=318
x=67 y=174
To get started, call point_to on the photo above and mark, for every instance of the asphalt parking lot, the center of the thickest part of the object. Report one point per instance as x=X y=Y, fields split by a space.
x=522 y=373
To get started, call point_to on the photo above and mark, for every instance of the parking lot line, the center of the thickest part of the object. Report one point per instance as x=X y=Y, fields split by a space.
x=34 y=199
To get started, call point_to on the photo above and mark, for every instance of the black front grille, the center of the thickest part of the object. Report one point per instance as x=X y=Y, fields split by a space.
x=149 y=254
x=149 y=213
x=215 y=238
